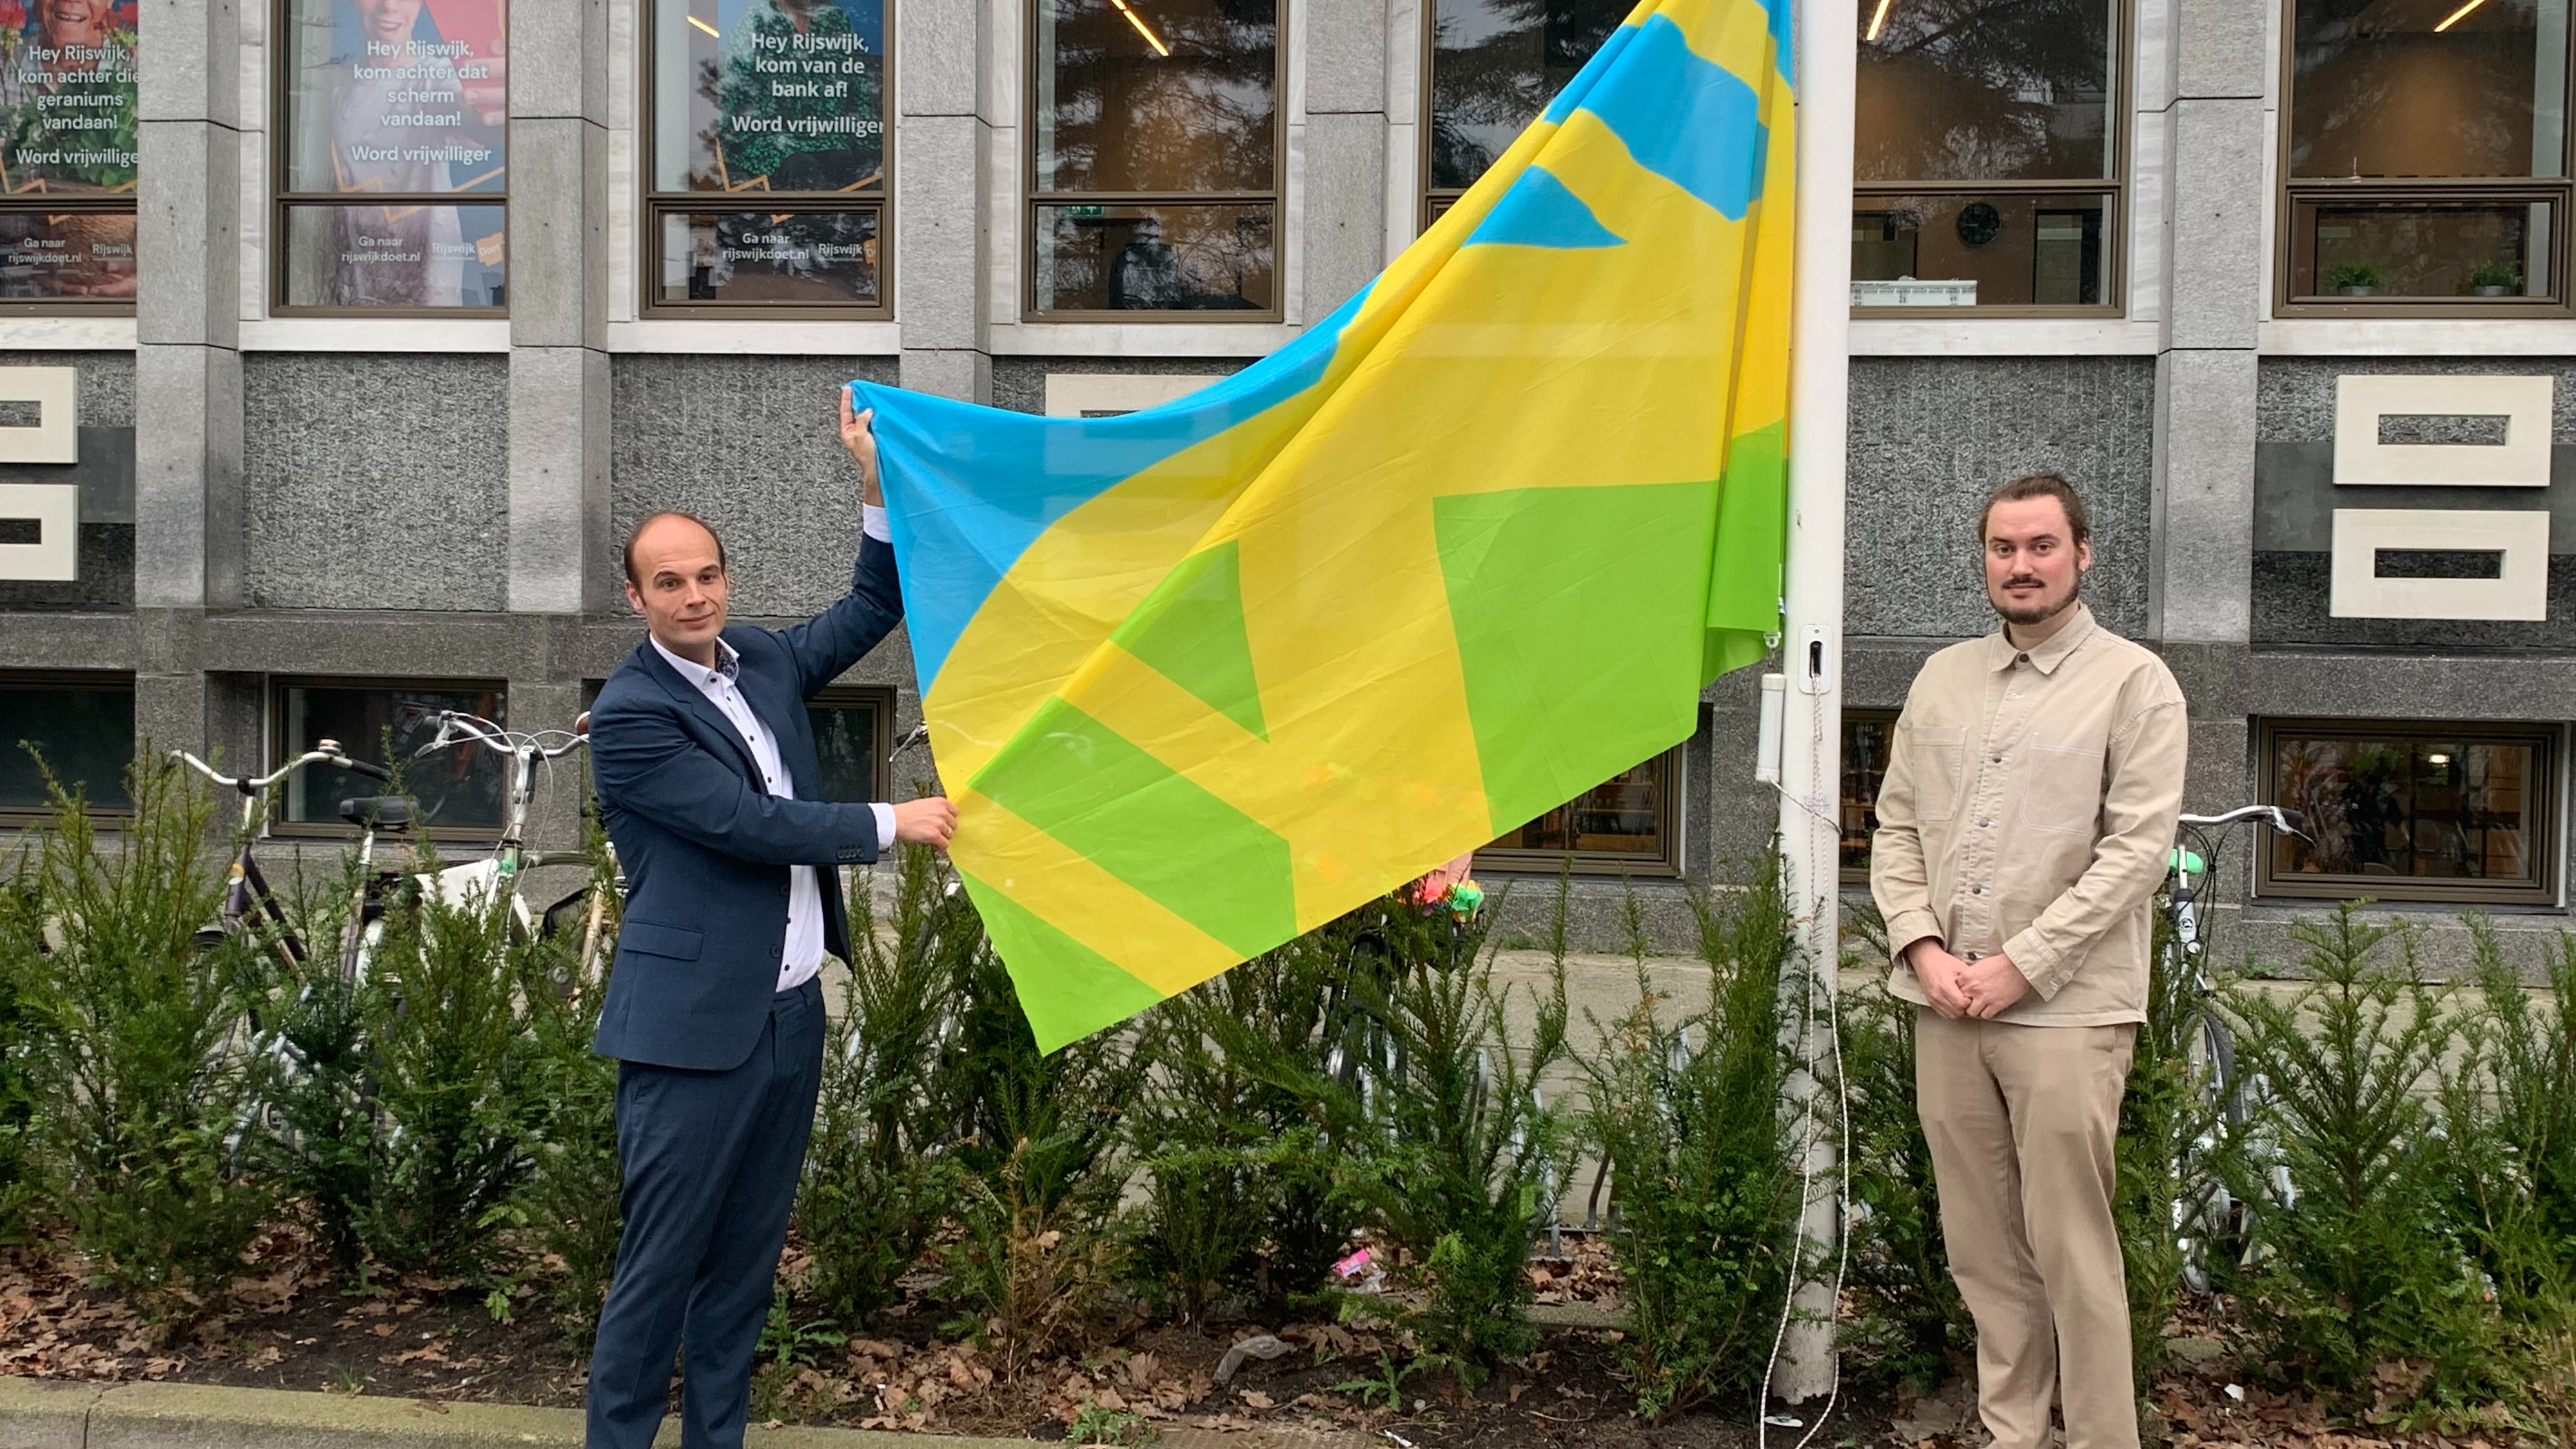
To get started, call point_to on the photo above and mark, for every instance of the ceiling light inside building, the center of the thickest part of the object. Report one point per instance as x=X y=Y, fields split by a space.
x=2437 y=759
x=709 y=29
x=1878 y=17
x=1143 y=29
x=2458 y=15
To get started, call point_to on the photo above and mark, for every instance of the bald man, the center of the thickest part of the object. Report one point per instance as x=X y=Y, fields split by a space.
x=709 y=786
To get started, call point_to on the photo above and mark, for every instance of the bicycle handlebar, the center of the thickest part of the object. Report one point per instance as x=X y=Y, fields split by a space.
x=328 y=752
x=456 y=727
x=2287 y=821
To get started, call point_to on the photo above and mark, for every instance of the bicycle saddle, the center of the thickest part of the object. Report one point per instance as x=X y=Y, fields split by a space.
x=384 y=812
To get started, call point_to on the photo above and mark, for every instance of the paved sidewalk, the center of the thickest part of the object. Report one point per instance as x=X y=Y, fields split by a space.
x=52 y=1414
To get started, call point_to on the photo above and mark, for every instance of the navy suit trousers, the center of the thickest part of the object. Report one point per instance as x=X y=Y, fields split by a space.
x=710 y=1162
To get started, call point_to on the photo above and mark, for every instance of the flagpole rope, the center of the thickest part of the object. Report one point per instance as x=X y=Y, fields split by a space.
x=1819 y=861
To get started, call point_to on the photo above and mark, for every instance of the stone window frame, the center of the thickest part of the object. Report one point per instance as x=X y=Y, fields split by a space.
x=2291 y=194
x=282 y=198
x=879 y=701
x=2543 y=791
x=19 y=817
x=2113 y=189
x=1666 y=863
x=275 y=751
x=652 y=204
x=1032 y=200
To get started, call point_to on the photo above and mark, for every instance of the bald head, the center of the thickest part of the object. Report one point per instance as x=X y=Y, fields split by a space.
x=675 y=578
x=663 y=521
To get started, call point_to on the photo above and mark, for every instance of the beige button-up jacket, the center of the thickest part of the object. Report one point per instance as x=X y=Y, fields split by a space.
x=2028 y=808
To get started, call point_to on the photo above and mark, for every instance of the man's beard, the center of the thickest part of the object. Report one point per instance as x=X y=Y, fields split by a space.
x=2027 y=615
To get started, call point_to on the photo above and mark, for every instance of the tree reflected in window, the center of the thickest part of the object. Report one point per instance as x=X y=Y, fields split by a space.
x=1495 y=64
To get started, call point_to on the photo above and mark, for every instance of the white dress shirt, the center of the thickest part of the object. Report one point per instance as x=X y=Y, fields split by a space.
x=802 y=957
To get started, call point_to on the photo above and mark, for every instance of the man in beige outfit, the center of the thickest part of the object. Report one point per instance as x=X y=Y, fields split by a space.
x=2023 y=826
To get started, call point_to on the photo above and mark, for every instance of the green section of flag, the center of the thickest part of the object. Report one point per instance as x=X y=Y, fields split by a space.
x=1752 y=533
x=1147 y=824
x=1572 y=606
x=1080 y=987
x=1191 y=631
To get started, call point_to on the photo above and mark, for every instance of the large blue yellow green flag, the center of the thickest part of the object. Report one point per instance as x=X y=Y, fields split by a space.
x=1203 y=677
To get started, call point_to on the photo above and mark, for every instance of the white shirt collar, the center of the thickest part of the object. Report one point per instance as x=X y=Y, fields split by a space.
x=728 y=663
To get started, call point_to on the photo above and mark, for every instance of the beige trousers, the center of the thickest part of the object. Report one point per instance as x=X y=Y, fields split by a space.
x=2022 y=1121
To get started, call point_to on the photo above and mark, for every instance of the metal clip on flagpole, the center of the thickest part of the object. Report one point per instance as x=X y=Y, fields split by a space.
x=1809 y=733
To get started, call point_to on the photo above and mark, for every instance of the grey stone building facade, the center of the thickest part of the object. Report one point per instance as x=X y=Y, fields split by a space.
x=303 y=507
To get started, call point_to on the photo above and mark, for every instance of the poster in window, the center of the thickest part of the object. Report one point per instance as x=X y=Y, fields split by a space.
x=397 y=98
x=77 y=255
x=770 y=95
x=66 y=96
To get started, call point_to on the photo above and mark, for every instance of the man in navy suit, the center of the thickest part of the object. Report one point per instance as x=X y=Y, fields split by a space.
x=709 y=785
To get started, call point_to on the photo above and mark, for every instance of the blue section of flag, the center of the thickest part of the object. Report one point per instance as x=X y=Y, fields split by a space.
x=1686 y=119
x=1026 y=472
x=1540 y=212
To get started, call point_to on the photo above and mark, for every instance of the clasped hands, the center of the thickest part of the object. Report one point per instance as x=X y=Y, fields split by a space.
x=1983 y=988
x=931 y=820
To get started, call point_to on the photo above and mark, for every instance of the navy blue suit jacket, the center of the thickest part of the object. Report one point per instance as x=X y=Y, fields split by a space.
x=705 y=847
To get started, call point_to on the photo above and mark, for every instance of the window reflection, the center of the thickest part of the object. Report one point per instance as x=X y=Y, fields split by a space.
x=1102 y=258
x=1962 y=104
x=1156 y=153
x=809 y=258
x=1626 y=822
x=1984 y=90
x=2406 y=248
x=2417 y=88
x=1967 y=250
x=57 y=256
x=455 y=788
x=1867 y=737
x=850 y=744
x=1495 y=64
x=2398 y=812
x=403 y=256
x=2427 y=151
x=83 y=730
x=1156 y=96
x=392 y=104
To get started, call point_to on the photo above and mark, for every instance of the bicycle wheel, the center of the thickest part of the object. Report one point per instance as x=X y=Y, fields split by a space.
x=2208 y=1220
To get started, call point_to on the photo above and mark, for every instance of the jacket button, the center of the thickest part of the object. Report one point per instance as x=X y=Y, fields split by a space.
x=774 y=951
x=787 y=890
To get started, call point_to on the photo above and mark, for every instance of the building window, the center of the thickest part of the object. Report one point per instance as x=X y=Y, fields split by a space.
x=1868 y=735
x=67 y=141
x=1495 y=64
x=1987 y=158
x=1154 y=165
x=458 y=790
x=2412 y=812
x=1630 y=824
x=82 y=725
x=391 y=157
x=2425 y=159
x=853 y=737
x=768 y=163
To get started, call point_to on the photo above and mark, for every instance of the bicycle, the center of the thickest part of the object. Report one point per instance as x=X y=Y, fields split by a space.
x=2206 y=1215
x=496 y=880
x=250 y=905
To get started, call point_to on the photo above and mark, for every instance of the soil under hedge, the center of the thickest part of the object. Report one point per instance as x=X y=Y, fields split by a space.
x=295 y=1324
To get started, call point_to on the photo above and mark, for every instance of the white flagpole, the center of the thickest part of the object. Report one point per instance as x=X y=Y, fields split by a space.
x=1812 y=647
